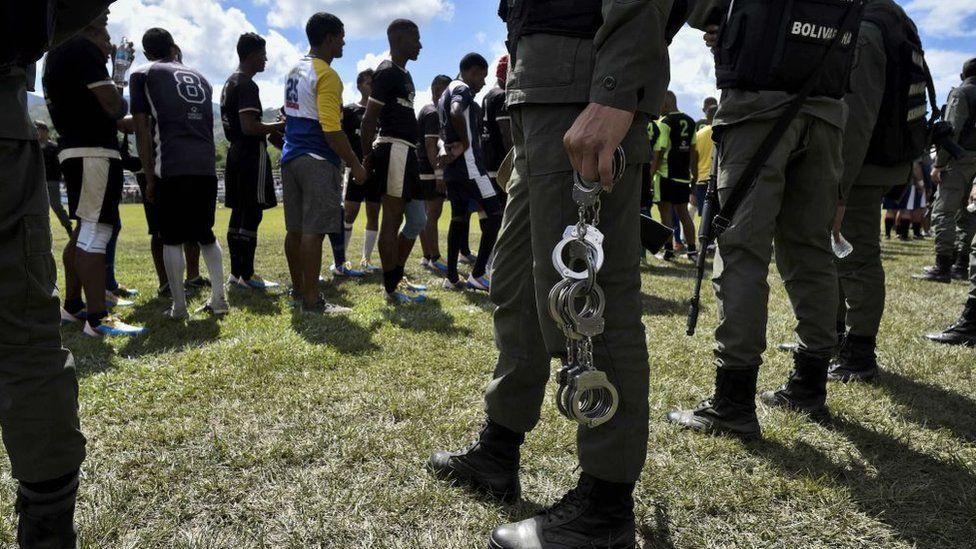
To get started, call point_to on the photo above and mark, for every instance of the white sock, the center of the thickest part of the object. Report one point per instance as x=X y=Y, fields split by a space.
x=369 y=242
x=214 y=259
x=175 y=265
x=348 y=234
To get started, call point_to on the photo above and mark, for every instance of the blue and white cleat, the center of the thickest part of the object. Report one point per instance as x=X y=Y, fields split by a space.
x=111 y=326
x=482 y=284
x=470 y=259
x=68 y=318
x=112 y=302
x=400 y=297
x=345 y=270
x=454 y=286
x=258 y=283
x=405 y=284
x=367 y=266
x=438 y=267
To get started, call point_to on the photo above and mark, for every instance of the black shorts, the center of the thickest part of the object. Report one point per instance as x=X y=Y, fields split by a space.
x=94 y=188
x=674 y=192
x=468 y=192
x=367 y=192
x=396 y=172
x=248 y=182
x=152 y=218
x=428 y=187
x=185 y=208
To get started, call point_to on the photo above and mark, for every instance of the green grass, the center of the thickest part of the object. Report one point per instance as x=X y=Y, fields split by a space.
x=266 y=429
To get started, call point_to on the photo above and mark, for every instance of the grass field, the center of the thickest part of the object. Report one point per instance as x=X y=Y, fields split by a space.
x=267 y=429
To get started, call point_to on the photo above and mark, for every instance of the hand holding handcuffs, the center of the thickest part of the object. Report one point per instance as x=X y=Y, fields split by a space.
x=577 y=303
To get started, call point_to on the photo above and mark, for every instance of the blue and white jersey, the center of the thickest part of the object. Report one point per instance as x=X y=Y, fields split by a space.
x=470 y=165
x=313 y=107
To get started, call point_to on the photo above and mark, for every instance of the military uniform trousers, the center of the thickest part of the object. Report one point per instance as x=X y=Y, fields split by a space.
x=954 y=226
x=540 y=207
x=38 y=387
x=792 y=205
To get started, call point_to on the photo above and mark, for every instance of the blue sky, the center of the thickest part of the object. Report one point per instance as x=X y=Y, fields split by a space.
x=207 y=31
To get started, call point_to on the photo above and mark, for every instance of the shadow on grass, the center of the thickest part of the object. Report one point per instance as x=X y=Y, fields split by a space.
x=428 y=316
x=338 y=331
x=927 y=502
x=929 y=405
x=681 y=269
x=261 y=303
x=662 y=306
x=658 y=534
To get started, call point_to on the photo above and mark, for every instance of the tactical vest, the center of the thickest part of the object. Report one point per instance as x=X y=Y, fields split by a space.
x=576 y=18
x=901 y=132
x=967 y=136
x=26 y=27
x=774 y=45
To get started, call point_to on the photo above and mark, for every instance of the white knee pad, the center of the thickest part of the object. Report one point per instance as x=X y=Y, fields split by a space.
x=93 y=237
x=416 y=219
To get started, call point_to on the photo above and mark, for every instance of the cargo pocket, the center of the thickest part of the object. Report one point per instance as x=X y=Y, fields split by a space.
x=551 y=70
x=14 y=277
x=41 y=307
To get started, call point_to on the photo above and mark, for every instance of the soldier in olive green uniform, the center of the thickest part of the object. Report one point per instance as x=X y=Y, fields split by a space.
x=962 y=115
x=954 y=225
x=38 y=387
x=611 y=89
x=792 y=205
x=865 y=182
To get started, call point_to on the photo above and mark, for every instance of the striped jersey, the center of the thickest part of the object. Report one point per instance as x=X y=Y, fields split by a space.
x=313 y=107
x=471 y=164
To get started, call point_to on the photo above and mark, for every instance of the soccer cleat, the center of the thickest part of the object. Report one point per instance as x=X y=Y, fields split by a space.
x=258 y=283
x=454 y=286
x=111 y=326
x=367 y=266
x=233 y=282
x=482 y=284
x=173 y=314
x=469 y=259
x=195 y=284
x=322 y=307
x=406 y=285
x=122 y=291
x=69 y=318
x=219 y=309
x=163 y=291
x=346 y=270
x=435 y=266
x=400 y=297
x=111 y=301
x=666 y=255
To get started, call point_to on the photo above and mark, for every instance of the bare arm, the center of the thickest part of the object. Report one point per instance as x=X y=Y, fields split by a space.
x=111 y=100
x=367 y=131
x=251 y=124
x=144 y=147
x=339 y=143
x=459 y=125
x=694 y=165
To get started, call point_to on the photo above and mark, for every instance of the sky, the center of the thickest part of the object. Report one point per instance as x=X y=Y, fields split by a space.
x=207 y=31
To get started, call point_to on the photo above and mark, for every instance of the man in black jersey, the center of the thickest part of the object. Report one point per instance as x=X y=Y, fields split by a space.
x=85 y=104
x=432 y=174
x=52 y=168
x=678 y=164
x=391 y=162
x=496 y=136
x=465 y=173
x=249 y=185
x=356 y=195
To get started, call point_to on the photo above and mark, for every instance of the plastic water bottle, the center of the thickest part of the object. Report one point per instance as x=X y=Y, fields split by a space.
x=841 y=247
x=122 y=61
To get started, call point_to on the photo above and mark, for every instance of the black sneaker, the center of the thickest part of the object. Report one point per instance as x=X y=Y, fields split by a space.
x=46 y=520
x=856 y=361
x=583 y=518
x=963 y=332
x=805 y=390
x=197 y=283
x=732 y=409
x=164 y=291
x=489 y=466
x=959 y=271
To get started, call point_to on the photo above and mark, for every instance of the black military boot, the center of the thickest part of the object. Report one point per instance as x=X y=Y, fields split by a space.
x=856 y=360
x=963 y=332
x=960 y=269
x=596 y=514
x=940 y=272
x=805 y=390
x=731 y=410
x=490 y=465
x=46 y=515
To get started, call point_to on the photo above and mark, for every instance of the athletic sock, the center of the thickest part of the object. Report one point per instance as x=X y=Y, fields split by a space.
x=489 y=232
x=369 y=242
x=234 y=250
x=248 y=246
x=465 y=228
x=175 y=267
x=456 y=235
x=348 y=233
x=74 y=306
x=338 y=242
x=214 y=260
x=917 y=229
x=392 y=278
x=95 y=319
x=903 y=228
x=889 y=224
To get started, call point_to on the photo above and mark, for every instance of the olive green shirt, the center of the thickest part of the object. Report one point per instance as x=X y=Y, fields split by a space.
x=625 y=66
x=958 y=112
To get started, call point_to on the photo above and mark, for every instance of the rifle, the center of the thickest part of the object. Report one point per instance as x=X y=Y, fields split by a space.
x=715 y=223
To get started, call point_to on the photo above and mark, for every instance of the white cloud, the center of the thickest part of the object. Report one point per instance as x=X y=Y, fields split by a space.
x=945 y=66
x=371 y=61
x=207 y=33
x=692 y=70
x=481 y=37
x=944 y=17
x=360 y=18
